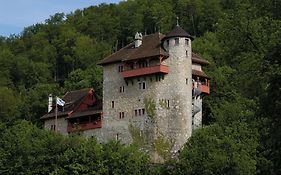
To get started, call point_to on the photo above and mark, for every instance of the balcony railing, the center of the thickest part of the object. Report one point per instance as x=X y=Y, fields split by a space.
x=145 y=71
x=205 y=89
x=84 y=126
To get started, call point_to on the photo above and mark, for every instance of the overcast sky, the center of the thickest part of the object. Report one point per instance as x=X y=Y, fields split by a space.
x=17 y=14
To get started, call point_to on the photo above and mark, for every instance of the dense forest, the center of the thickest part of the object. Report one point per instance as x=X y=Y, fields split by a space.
x=240 y=38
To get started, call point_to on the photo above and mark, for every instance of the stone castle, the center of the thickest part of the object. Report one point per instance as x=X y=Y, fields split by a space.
x=152 y=92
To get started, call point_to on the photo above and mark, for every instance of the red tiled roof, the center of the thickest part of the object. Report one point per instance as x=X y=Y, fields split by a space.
x=150 y=47
x=72 y=100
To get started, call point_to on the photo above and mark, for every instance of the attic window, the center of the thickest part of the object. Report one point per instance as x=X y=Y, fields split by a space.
x=177 y=41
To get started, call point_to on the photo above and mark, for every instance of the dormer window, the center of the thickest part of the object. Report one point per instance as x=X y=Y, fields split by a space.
x=177 y=41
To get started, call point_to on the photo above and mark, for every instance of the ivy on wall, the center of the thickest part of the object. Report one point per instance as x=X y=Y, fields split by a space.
x=163 y=146
x=150 y=108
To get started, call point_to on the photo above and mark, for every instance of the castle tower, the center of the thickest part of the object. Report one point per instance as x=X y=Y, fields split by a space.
x=179 y=85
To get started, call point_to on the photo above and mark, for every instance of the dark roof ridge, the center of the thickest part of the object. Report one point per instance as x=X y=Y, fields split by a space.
x=150 y=47
x=177 y=31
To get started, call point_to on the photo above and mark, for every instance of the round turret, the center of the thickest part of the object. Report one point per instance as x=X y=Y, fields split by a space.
x=178 y=41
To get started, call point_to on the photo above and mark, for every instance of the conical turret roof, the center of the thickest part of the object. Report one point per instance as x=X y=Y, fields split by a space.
x=178 y=32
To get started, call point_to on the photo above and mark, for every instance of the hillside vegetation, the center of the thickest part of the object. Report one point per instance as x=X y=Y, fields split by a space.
x=240 y=38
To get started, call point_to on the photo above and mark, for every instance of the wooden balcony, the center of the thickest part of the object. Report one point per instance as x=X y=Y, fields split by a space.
x=205 y=89
x=145 y=71
x=83 y=126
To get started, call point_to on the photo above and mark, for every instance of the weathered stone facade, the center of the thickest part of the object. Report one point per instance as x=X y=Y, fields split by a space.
x=166 y=100
x=62 y=125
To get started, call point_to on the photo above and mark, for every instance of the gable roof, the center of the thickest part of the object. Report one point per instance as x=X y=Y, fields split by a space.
x=72 y=99
x=150 y=47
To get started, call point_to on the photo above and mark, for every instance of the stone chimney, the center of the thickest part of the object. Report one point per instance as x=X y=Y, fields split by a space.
x=138 y=39
x=50 y=105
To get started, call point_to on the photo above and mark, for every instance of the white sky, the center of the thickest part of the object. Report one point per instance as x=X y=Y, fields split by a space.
x=17 y=14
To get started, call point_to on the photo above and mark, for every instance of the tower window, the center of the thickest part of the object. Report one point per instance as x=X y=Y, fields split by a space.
x=186 y=42
x=136 y=113
x=112 y=104
x=177 y=41
x=120 y=68
x=143 y=85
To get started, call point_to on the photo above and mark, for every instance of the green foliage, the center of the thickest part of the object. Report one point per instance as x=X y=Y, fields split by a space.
x=220 y=150
x=164 y=103
x=241 y=40
x=8 y=105
x=150 y=108
x=33 y=104
x=138 y=139
x=163 y=146
x=54 y=154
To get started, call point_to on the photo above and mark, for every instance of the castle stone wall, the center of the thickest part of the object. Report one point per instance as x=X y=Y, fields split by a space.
x=62 y=125
x=171 y=95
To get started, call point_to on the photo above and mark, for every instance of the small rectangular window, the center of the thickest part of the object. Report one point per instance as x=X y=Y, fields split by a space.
x=139 y=112
x=112 y=104
x=168 y=103
x=143 y=111
x=143 y=85
x=139 y=85
x=121 y=115
x=122 y=89
x=120 y=68
x=177 y=41
x=136 y=113
x=53 y=127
